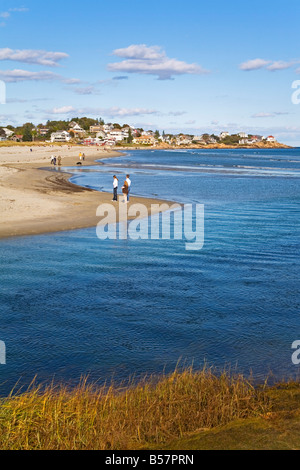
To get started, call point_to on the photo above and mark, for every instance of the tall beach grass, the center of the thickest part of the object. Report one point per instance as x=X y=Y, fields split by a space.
x=151 y=413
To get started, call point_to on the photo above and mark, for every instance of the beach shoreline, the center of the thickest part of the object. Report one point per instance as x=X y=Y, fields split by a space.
x=35 y=201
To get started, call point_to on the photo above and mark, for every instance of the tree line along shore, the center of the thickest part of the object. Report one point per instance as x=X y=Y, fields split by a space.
x=90 y=131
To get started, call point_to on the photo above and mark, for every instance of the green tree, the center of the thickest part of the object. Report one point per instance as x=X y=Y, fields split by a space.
x=130 y=138
x=27 y=135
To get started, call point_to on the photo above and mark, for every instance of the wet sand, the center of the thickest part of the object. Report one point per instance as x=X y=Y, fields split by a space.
x=35 y=201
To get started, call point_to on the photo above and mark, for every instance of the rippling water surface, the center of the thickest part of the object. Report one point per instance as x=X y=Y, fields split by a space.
x=73 y=305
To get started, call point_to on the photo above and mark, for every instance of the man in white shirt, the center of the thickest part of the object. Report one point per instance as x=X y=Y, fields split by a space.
x=129 y=185
x=116 y=184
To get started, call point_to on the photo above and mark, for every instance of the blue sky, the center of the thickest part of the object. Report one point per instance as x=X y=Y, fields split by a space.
x=190 y=66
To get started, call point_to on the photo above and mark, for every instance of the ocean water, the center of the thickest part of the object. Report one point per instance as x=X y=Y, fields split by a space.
x=73 y=305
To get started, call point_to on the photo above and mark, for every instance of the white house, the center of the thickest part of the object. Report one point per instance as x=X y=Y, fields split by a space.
x=76 y=128
x=198 y=138
x=243 y=135
x=119 y=134
x=223 y=135
x=271 y=138
x=8 y=132
x=60 y=136
x=108 y=127
x=101 y=135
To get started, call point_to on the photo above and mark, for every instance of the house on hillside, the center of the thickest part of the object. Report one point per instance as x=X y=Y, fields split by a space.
x=95 y=129
x=271 y=139
x=77 y=130
x=60 y=136
x=223 y=135
x=101 y=135
x=144 y=140
x=43 y=131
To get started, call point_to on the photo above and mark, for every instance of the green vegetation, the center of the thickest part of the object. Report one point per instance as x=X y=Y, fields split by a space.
x=231 y=140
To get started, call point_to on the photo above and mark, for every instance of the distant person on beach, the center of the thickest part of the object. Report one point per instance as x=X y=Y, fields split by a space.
x=59 y=161
x=125 y=189
x=115 y=184
x=52 y=159
x=128 y=181
x=83 y=157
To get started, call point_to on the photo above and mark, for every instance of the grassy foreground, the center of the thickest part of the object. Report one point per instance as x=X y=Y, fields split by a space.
x=185 y=410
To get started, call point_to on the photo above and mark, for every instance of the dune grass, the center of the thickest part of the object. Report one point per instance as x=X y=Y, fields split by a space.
x=147 y=415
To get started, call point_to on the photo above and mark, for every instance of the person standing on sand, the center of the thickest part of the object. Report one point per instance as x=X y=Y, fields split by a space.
x=59 y=161
x=116 y=184
x=128 y=181
x=125 y=189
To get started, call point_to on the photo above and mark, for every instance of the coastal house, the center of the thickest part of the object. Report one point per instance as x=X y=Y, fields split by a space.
x=144 y=140
x=198 y=138
x=95 y=129
x=271 y=139
x=184 y=140
x=43 y=131
x=17 y=138
x=101 y=135
x=223 y=135
x=118 y=134
x=8 y=132
x=77 y=130
x=108 y=127
x=93 y=141
x=243 y=135
x=60 y=136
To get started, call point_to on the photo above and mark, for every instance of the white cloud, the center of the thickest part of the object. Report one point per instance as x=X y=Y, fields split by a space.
x=177 y=113
x=63 y=110
x=263 y=115
x=270 y=115
x=152 y=61
x=29 y=56
x=7 y=14
x=254 y=64
x=16 y=76
x=19 y=10
x=108 y=112
x=140 y=51
x=280 y=65
x=270 y=65
x=90 y=90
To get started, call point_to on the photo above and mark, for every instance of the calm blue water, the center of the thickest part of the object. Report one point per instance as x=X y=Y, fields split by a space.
x=72 y=305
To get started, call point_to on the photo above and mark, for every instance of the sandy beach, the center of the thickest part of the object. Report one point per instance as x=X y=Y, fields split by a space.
x=35 y=201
